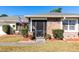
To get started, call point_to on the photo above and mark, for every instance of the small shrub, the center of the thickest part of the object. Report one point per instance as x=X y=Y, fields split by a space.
x=58 y=33
x=6 y=28
x=47 y=36
x=24 y=31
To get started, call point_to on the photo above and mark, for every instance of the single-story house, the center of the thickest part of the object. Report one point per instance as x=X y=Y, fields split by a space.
x=45 y=23
x=41 y=24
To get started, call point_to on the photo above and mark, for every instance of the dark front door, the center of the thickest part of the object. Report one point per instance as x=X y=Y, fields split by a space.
x=39 y=28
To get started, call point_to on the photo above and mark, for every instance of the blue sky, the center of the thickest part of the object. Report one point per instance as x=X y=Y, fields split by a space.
x=28 y=10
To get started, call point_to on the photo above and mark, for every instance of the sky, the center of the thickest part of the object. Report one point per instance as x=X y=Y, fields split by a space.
x=30 y=10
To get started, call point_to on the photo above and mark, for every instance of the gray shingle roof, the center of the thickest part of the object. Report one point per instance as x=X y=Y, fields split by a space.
x=54 y=15
x=12 y=19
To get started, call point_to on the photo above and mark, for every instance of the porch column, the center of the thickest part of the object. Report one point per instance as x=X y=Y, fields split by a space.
x=30 y=26
x=61 y=22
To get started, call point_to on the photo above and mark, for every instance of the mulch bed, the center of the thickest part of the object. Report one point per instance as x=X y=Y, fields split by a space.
x=53 y=39
x=72 y=39
x=66 y=39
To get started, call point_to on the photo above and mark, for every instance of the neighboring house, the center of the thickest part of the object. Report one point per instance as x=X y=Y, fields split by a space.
x=13 y=21
x=43 y=24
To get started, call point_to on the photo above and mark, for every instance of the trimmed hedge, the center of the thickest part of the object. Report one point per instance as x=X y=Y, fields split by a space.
x=58 y=33
x=6 y=28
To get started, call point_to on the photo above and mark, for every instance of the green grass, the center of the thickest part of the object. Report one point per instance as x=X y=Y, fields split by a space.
x=49 y=46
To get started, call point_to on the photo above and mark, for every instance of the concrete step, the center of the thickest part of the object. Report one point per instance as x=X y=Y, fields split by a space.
x=40 y=40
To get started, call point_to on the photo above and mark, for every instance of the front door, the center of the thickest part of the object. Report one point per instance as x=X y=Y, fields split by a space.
x=39 y=28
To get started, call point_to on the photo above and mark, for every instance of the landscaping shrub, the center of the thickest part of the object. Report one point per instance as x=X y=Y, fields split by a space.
x=47 y=36
x=24 y=31
x=58 y=33
x=14 y=29
x=6 y=28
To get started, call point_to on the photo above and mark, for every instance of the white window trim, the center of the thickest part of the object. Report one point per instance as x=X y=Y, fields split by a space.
x=76 y=27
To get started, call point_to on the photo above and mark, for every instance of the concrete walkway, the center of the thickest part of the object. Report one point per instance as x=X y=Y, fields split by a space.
x=22 y=43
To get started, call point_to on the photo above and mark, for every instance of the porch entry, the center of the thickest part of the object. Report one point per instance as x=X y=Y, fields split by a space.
x=39 y=28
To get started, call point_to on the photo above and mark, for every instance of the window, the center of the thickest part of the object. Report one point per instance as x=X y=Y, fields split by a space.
x=69 y=24
x=65 y=27
x=72 y=27
x=72 y=24
x=65 y=24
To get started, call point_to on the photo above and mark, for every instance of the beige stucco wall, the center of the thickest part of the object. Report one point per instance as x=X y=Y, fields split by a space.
x=52 y=23
x=70 y=34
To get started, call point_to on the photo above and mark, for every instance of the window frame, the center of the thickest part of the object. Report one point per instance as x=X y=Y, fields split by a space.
x=75 y=26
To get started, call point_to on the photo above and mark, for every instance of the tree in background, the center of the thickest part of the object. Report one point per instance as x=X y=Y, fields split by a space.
x=3 y=15
x=59 y=10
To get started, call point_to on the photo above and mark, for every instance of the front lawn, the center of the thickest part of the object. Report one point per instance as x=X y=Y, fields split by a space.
x=11 y=38
x=49 y=46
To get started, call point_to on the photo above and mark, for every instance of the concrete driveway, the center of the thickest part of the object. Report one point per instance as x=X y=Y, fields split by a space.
x=21 y=43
